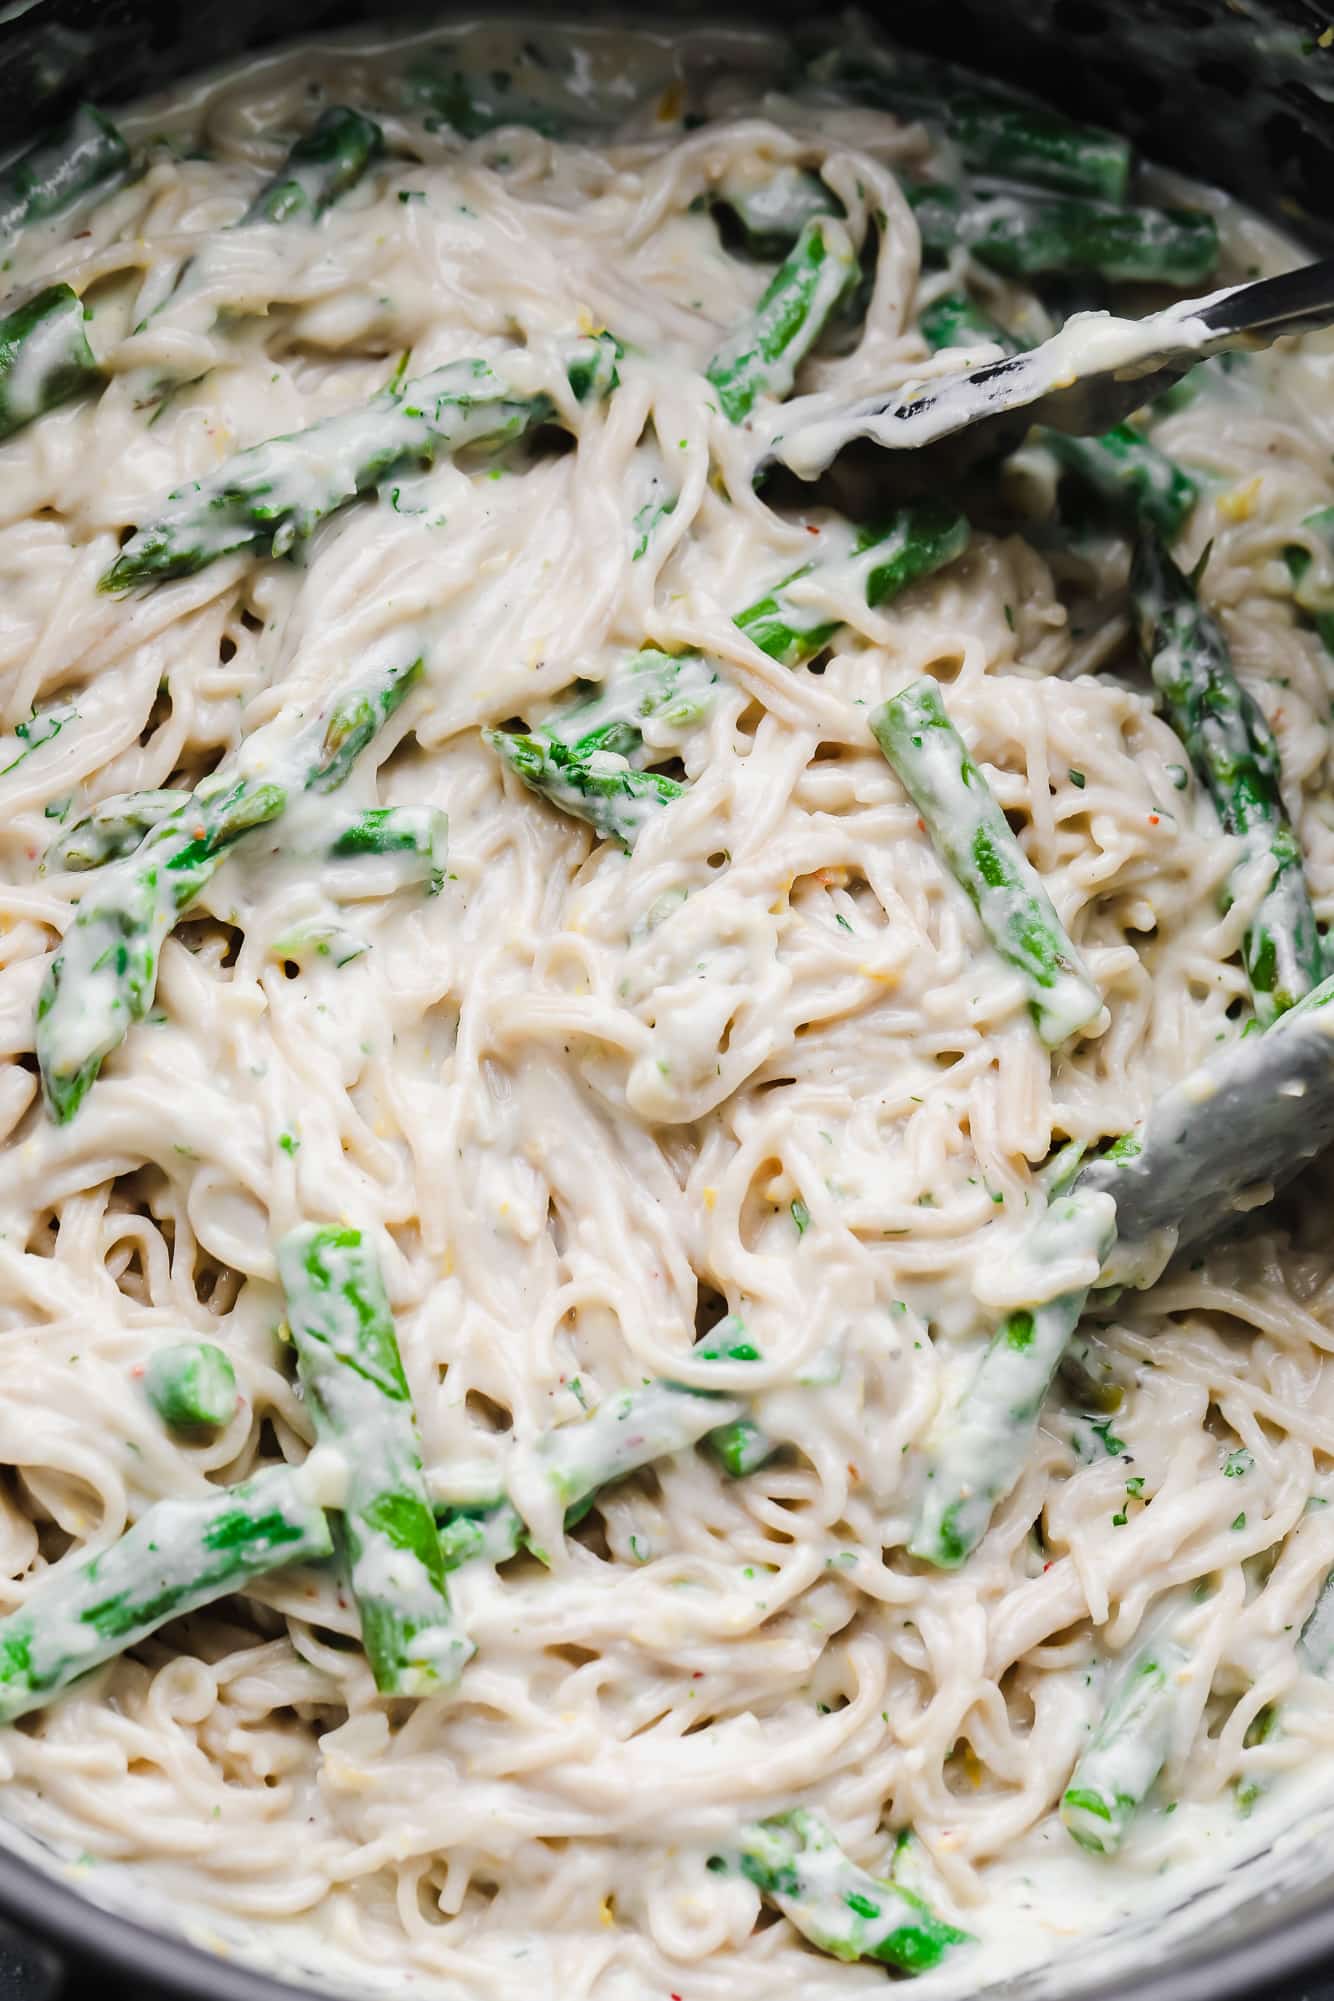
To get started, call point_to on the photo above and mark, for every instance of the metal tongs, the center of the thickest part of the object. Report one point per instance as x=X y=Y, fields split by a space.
x=1086 y=378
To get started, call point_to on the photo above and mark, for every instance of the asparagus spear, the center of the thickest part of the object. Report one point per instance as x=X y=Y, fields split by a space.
x=417 y=835
x=192 y=1386
x=179 y=1555
x=762 y=357
x=104 y=974
x=978 y=1448
x=794 y=1860
x=113 y=829
x=1027 y=236
x=1232 y=748
x=974 y=837
x=626 y=1431
x=601 y=789
x=912 y=542
x=772 y=214
x=1317 y=603
x=587 y=759
x=993 y=132
x=1128 y=1749
x=45 y=358
x=322 y=165
x=672 y=691
x=84 y=154
x=274 y=495
x=348 y=1359
x=1026 y=142
x=742 y=1447
x=1122 y=467
x=956 y=320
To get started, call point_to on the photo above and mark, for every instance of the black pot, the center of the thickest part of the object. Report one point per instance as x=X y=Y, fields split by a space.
x=1237 y=92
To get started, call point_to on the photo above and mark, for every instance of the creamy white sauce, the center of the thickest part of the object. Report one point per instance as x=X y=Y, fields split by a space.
x=586 y=1102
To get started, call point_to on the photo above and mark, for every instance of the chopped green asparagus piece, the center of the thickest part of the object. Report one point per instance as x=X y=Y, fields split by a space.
x=772 y=214
x=43 y=726
x=1128 y=472
x=104 y=974
x=323 y=164
x=1024 y=142
x=956 y=320
x=762 y=357
x=45 y=358
x=589 y=759
x=625 y=1431
x=1128 y=1749
x=417 y=834
x=1122 y=468
x=794 y=1860
x=602 y=789
x=672 y=692
x=978 y=1448
x=84 y=154
x=884 y=559
x=1315 y=600
x=192 y=1386
x=354 y=719
x=975 y=840
x=274 y=495
x=113 y=829
x=993 y=131
x=1233 y=751
x=179 y=1555
x=1028 y=236
x=741 y=1447
x=352 y=1375
x=1248 y=1118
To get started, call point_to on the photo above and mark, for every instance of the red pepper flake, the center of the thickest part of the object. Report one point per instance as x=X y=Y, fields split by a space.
x=676 y=1997
x=1153 y=819
x=811 y=528
x=1046 y=1567
x=921 y=826
x=697 y=1674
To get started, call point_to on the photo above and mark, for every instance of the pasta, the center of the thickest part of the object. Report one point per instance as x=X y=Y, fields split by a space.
x=748 y=1053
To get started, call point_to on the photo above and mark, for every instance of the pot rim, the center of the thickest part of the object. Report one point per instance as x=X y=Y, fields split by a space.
x=83 y=1933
